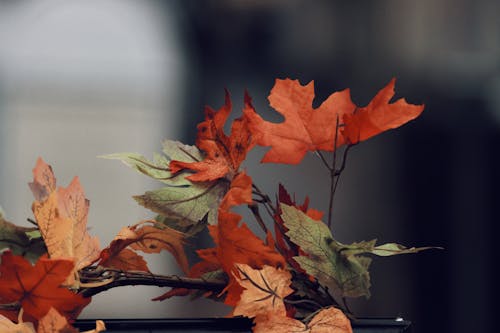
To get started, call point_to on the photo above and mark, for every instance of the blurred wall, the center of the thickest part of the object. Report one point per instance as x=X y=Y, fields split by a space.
x=80 y=79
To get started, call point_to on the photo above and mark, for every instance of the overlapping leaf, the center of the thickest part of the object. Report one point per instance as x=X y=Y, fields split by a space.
x=38 y=288
x=183 y=205
x=264 y=290
x=21 y=240
x=62 y=218
x=223 y=154
x=337 y=119
x=329 y=320
x=304 y=128
x=341 y=268
x=148 y=237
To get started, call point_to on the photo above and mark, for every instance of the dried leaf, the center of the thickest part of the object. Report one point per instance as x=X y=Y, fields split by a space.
x=264 y=290
x=62 y=220
x=329 y=320
x=38 y=288
x=44 y=182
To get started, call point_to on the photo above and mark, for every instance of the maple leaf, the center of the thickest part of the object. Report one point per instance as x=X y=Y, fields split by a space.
x=337 y=120
x=329 y=320
x=183 y=205
x=339 y=267
x=223 y=154
x=7 y=326
x=240 y=192
x=304 y=128
x=379 y=116
x=264 y=290
x=62 y=219
x=54 y=322
x=149 y=237
x=44 y=182
x=38 y=288
x=237 y=244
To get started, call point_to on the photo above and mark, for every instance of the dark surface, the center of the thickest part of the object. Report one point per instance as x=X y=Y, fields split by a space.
x=225 y=325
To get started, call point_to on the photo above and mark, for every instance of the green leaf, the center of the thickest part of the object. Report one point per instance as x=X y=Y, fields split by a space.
x=182 y=204
x=186 y=204
x=384 y=250
x=344 y=276
x=341 y=268
x=20 y=240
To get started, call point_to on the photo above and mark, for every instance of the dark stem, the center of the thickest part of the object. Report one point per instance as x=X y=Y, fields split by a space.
x=131 y=278
x=333 y=174
x=10 y=307
x=256 y=213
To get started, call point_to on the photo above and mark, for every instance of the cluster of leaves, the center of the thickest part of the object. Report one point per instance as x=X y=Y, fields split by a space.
x=297 y=277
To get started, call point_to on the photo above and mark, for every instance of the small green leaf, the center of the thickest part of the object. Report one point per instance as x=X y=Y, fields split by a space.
x=345 y=276
x=20 y=241
x=188 y=205
x=183 y=205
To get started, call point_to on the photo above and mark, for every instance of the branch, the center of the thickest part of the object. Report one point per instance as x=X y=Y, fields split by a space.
x=132 y=278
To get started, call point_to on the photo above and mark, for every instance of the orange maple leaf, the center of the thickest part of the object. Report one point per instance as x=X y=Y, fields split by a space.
x=304 y=128
x=337 y=120
x=264 y=290
x=379 y=116
x=61 y=216
x=330 y=320
x=237 y=244
x=38 y=288
x=224 y=154
x=240 y=192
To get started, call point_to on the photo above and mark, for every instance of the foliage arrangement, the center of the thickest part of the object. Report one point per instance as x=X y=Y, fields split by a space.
x=298 y=276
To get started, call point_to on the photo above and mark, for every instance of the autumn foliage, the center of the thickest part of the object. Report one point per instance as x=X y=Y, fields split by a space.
x=291 y=275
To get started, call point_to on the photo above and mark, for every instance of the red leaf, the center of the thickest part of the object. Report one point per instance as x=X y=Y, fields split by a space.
x=240 y=192
x=223 y=154
x=38 y=288
x=379 y=116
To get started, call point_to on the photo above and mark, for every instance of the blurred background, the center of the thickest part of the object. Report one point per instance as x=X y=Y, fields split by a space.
x=80 y=79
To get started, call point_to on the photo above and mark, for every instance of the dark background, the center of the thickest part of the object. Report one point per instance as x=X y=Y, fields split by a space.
x=431 y=182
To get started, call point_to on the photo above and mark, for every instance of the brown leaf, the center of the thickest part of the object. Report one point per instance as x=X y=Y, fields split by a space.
x=329 y=320
x=62 y=219
x=264 y=290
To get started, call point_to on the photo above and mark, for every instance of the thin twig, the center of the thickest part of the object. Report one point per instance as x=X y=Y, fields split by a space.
x=255 y=211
